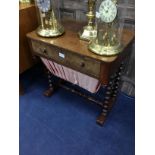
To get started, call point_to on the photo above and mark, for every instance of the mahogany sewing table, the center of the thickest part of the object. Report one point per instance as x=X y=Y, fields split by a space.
x=77 y=56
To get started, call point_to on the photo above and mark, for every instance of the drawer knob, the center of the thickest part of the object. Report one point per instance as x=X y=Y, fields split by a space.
x=82 y=64
x=44 y=51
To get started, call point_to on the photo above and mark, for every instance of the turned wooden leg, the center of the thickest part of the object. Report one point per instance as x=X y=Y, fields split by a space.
x=117 y=81
x=50 y=89
x=107 y=99
x=21 y=89
x=110 y=95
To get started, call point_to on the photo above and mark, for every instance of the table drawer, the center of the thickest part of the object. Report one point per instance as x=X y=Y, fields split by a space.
x=67 y=58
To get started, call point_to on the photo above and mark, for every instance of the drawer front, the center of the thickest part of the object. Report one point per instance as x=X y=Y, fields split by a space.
x=82 y=64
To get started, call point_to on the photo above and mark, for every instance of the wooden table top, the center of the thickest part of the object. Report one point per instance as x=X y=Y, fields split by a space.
x=70 y=41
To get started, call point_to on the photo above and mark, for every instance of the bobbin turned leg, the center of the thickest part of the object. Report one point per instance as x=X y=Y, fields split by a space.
x=21 y=89
x=50 y=90
x=101 y=118
x=117 y=81
x=110 y=95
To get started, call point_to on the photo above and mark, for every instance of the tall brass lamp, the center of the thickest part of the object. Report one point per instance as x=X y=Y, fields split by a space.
x=89 y=31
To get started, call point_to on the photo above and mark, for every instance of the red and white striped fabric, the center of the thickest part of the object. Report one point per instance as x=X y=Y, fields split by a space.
x=75 y=77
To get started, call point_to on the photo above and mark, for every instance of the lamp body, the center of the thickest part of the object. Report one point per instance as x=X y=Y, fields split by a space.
x=89 y=31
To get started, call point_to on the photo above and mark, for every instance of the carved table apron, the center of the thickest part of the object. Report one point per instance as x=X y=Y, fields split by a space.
x=68 y=51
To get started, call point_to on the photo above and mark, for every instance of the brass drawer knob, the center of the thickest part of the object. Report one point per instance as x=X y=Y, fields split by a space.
x=82 y=64
x=44 y=51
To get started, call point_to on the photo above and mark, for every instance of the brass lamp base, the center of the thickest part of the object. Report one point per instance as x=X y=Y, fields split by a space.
x=105 y=50
x=50 y=32
x=88 y=33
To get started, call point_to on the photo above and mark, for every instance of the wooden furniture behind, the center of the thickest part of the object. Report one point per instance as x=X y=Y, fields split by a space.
x=77 y=56
x=27 y=23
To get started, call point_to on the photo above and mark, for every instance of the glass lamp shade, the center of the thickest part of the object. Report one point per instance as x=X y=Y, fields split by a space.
x=109 y=28
x=49 y=18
